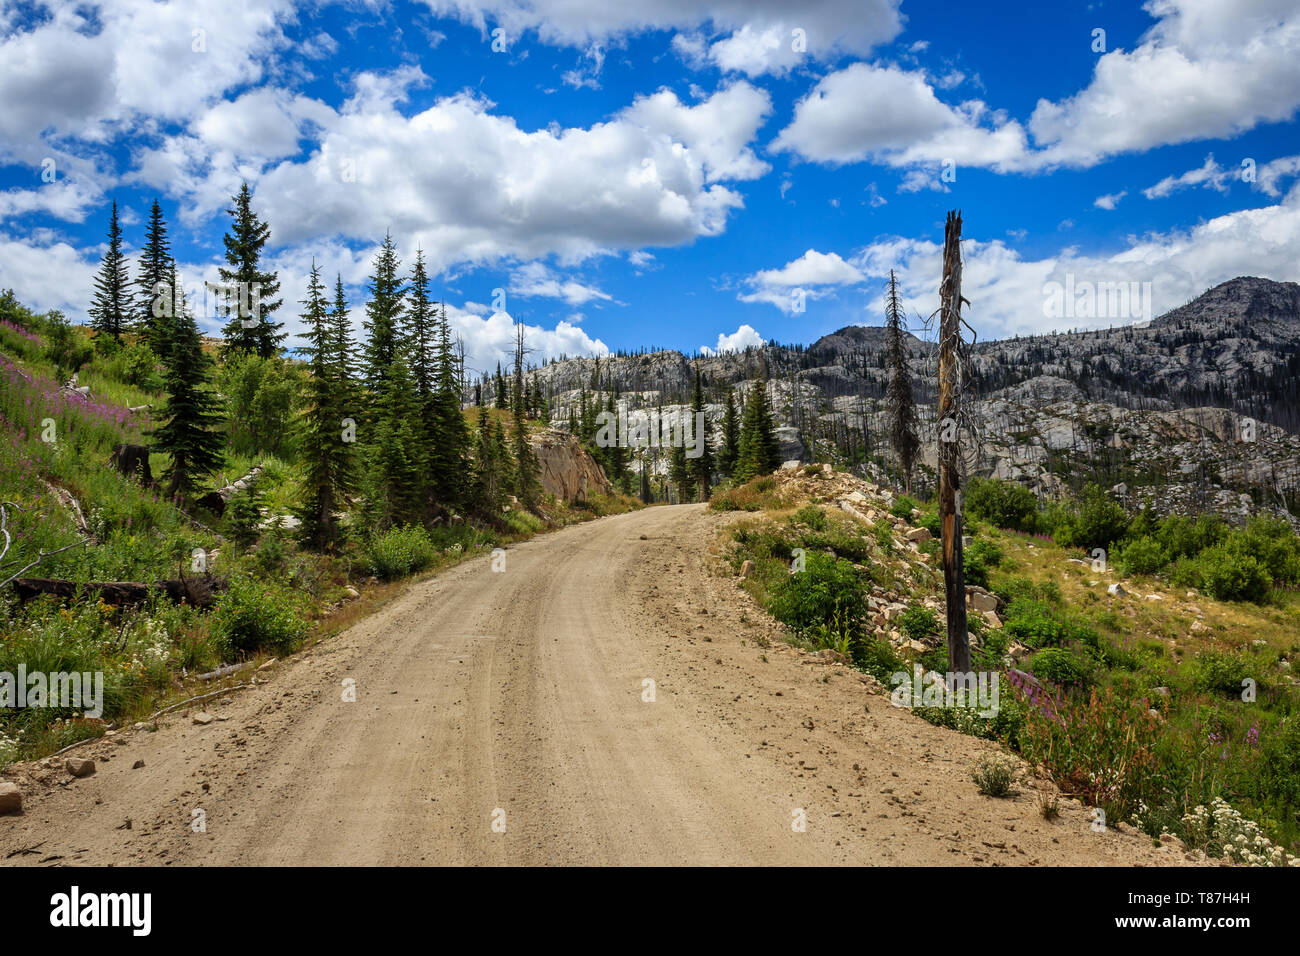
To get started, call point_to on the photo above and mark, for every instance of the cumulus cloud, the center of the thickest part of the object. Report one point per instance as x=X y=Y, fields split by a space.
x=888 y=115
x=471 y=186
x=1207 y=69
x=1110 y=200
x=739 y=340
x=813 y=275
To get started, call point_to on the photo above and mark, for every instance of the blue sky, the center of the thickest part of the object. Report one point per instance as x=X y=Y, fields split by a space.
x=670 y=173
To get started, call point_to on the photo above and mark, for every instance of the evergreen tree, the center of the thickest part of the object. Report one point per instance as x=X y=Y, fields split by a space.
x=425 y=366
x=328 y=461
x=153 y=311
x=250 y=327
x=188 y=433
x=500 y=388
x=383 y=317
x=451 y=436
x=759 y=452
x=679 y=472
x=701 y=468
x=111 y=311
x=898 y=394
x=395 y=453
x=729 y=451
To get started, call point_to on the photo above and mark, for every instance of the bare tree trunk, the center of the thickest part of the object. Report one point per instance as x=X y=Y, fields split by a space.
x=949 y=451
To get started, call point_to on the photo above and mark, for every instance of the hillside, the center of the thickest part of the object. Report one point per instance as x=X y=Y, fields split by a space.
x=1199 y=410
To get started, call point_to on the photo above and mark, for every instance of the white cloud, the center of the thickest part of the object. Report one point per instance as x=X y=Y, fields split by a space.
x=1270 y=176
x=490 y=339
x=471 y=186
x=749 y=36
x=65 y=199
x=50 y=275
x=888 y=115
x=1006 y=291
x=807 y=277
x=1207 y=69
x=535 y=279
x=1210 y=175
x=739 y=340
x=1110 y=200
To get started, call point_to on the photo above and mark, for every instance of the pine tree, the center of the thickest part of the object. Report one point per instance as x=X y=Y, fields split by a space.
x=153 y=309
x=189 y=433
x=250 y=328
x=328 y=460
x=451 y=442
x=383 y=316
x=760 y=452
x=679 y=472
x=500 y=388
x=112 y=306
x=729 y=450
x=701 y=468
x=395 y=453
x=425 y=370
x=898 y=394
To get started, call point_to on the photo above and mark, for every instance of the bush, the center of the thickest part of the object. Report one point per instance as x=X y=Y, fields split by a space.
x=995 y=775
x=1221 y=673
x=253 y=615
x=977 y=559
x=1004 y=504
x=918 y=623
x=1144 y=555
x=1185 y=537
x=399 y=552
x=903 y=507
x=1096 y=521
x=1060 y=666
x=827 y=592
x=1272 y=543
x=810 y=515
x=1232 y=576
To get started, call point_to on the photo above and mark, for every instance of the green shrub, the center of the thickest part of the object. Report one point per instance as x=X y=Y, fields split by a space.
x=827 y=592
x=1060 y=666
x=1004 y=504
x=903 y=507
x=254 y=615
x=877 y=658
x=977 y=559
x=1272 y=543
x=1184 y=537
x=918 y=623
x=810 y=515
x=1095 y=521
x=1221 y=673
x=1233 y=576
x=1144 y=555
x=399 y=552
x=931 y=522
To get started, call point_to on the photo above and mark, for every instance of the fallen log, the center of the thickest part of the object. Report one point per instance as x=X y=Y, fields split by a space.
x=198 y=592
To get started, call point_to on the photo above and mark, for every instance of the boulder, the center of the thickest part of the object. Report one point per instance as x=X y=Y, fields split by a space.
x=565 y=468
x=11 y=798
x=80 y=766
x=918 y=535
x=133 y=460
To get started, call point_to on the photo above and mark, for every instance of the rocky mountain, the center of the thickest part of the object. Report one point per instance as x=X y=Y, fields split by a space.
x=1196 y=409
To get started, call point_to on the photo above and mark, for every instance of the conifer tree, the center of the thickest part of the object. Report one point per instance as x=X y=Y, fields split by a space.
x=500 y=388
x=700 y=468
x=153 y=311
x=451 y=436
x=384 y=317
x=328 y=460
x=250 y=327
x=729 y=450
x=760 y=452
x=111 y=309
x=188 y=433
x=679 y=472
x=395 y=453
x=898 y=394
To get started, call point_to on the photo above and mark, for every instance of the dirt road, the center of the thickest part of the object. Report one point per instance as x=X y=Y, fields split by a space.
x=502 y=718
